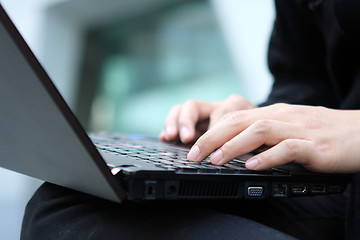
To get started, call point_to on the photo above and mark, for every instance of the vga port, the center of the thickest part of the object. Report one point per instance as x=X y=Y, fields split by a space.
x=255 y=191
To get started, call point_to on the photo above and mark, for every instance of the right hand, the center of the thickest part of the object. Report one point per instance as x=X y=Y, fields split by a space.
x=188 y=121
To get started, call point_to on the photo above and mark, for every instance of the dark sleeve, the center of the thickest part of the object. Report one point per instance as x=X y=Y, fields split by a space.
x=347 y=13
x=296 y=58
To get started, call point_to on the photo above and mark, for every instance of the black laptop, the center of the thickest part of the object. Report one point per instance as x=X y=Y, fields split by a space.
x=40 y=137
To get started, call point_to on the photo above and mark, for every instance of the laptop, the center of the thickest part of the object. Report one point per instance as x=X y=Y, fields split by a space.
x=41 y=137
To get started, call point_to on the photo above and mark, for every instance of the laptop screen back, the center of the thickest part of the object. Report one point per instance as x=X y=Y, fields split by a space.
x=39 y=135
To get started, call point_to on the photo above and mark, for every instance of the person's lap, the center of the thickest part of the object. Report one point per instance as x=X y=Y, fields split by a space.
x=59 y=213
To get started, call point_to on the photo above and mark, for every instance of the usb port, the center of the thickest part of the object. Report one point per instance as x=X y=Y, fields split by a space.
x=299 y=189
x=255 y=191
x=318 y=188
x=334 y=188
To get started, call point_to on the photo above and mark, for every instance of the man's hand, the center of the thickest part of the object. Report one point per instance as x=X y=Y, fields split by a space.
x=321 y=139
x=190 y=120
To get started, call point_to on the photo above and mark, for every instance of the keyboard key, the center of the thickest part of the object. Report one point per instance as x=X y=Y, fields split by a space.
x=172 y=157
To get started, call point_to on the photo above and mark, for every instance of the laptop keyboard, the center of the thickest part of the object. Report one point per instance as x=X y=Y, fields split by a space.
x=171 y=157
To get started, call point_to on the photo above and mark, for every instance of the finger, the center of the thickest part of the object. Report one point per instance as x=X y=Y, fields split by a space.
x=192 y=112
x=232 y=103
x=227 y=128
x=289 y=150
x=262 y=132
x=162 y=136
x=216 y=136
x=171 y=131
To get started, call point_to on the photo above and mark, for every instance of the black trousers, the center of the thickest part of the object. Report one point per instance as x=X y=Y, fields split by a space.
x=58 y=213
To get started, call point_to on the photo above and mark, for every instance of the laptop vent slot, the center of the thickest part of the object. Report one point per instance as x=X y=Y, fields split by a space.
x=208 y=189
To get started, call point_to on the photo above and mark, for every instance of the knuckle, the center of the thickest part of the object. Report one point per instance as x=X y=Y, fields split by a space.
x=320 y=108
x=270 y=161
x=218 y=113
x=216 y=116
x=293 y=109
x=282 y=108
x=280 y=105
x=234 y=117
x=227 y=148
x=311 y=124
x=175 y=108
x=191 y=103
x=292 y=146
x=183 y=122
x=236 y=97
x=262 y=127
x=188 y=110
x=240 y=101
x=206 y=141
x=289 y=110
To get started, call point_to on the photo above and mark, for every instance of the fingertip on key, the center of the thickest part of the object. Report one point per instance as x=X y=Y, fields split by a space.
x=193 y=154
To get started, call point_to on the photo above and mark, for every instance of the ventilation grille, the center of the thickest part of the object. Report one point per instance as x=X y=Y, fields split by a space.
x=208 y=189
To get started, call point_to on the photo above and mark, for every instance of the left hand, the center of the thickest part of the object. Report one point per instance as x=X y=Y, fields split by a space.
x=321 y=139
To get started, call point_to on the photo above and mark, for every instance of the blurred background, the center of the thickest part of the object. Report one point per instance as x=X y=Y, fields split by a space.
x=121 y=65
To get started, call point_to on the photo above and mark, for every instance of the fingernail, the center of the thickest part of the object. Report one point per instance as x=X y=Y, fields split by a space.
x=251 y=163
x=193 y=154
x=184 y=134
x=216 y=157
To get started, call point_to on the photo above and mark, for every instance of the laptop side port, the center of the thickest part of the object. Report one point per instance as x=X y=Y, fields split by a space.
x=299 y=189
x=318 y=188
x=150 y=190
x=171 y=189
x=280 y=190
x=334 y=188
x=255 y=191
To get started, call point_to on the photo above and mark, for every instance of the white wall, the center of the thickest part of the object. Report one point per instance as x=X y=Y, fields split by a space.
x=28 y=17
x=247 y=26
